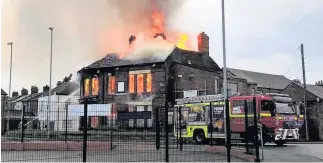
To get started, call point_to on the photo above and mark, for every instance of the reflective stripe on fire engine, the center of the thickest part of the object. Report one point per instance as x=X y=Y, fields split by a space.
x=249 y=115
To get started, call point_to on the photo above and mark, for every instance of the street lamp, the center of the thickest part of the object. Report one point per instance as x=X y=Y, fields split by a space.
x=225 y=83
x=50 y=78
x=10 y=44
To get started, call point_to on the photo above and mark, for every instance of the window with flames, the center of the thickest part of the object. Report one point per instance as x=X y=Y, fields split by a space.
x=91 y=86
x=138 y=83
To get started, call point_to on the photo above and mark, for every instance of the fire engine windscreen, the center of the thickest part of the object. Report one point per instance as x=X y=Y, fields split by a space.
x=284 y=105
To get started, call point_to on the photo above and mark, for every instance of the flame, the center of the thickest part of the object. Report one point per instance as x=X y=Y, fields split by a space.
x=183 y=41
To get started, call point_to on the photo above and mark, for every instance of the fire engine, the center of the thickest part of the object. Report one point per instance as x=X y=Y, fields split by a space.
x=278 y=115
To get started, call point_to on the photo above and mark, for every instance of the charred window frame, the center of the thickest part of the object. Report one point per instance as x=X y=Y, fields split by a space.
x=131 y=83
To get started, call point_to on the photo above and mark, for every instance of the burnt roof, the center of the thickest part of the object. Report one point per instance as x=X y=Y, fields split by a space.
x=34 y=96
x=196 y=59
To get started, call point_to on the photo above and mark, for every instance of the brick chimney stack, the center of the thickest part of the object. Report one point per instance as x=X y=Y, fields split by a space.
x=319 y=83
x=24 y=92
x=203 y=43
x=33 y=89
x=45 y=88
x=15 y=94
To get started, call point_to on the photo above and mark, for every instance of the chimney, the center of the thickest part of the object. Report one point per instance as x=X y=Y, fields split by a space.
x=24 y=92
x=319 y=83
x=131 y=39
x=58 y=83
x=15 y=94
x=45 y=88
x=203 y=43
x=33 y=89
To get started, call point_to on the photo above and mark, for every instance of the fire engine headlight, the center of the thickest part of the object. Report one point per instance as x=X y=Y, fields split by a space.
x=280 y=129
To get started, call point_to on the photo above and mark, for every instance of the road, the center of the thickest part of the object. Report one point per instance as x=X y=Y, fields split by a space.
x=293 y=153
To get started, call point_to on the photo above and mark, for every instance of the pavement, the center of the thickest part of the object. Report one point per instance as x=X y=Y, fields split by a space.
x=293 y=153
x=122 y=152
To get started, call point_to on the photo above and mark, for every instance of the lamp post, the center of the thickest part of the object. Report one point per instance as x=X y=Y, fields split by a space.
x=50 y=79
x=8 y=118
x=225 y=83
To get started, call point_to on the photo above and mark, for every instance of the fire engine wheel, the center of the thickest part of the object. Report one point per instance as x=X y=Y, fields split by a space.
x=199 y=137
x=280 y=142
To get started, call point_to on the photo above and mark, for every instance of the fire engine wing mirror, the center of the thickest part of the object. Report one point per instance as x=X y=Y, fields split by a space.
x=272 y=109
x=301 y=107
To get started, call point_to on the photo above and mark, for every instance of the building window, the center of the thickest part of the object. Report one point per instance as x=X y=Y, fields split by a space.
x=112 y=84
x=68 y=122
x=95 y=85
x=86 y=87
x=140 y=108
x=140 y=83
x=216 y=86
x=131 y=83
x=121 y=87
x=149 y=83
x=233 y=87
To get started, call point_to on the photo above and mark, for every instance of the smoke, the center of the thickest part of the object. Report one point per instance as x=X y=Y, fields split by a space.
x=84 y=31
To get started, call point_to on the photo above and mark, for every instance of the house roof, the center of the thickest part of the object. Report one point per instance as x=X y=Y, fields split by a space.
x=262 y=79
x=198 y=60
x=33 y=96
x=3 y=92
x=315 y=89
x=20 y=98
x=64 y=88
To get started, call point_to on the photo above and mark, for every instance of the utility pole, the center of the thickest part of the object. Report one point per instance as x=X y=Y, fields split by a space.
x=50 y=80
x=305 y=98
x=225 y=83
x=8 y=113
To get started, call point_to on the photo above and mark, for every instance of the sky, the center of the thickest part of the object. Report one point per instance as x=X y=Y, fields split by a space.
x=261 y=35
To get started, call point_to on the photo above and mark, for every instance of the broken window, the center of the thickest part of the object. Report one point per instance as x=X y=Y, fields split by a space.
x=132 y=83
x=95 y=85
x=149 y=81
x=112 y=84
x=140 y=83
x=86 y=87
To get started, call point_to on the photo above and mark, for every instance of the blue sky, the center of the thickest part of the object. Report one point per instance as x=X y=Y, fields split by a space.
x=262 y=35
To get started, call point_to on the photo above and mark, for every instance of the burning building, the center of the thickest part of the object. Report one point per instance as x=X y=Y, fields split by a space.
x=140 y=84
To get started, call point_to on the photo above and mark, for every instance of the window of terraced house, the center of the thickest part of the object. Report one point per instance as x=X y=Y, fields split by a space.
x=86 y=87
x=112 y=85
x=149 y=83
x=140 y=83
x=95 y=86
x=132 y=83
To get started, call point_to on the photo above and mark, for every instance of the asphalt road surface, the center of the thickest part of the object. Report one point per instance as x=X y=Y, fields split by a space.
x=293 y=153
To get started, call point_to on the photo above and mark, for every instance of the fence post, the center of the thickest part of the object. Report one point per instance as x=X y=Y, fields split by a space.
x=246 y=126
x=166 y=132
x=180 y=129
x=111 y=132
x=211 y=125
x=228 y=130
x=85 y=130
x=22 y=122
x=157 y=129
x=66 y=116
x=255 y=134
